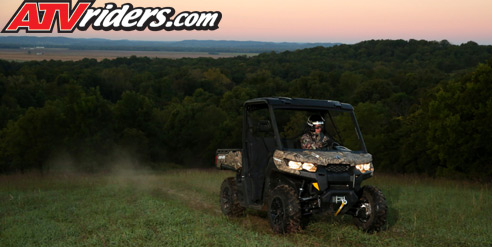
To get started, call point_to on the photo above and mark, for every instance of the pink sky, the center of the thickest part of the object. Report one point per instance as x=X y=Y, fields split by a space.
x=313 y=20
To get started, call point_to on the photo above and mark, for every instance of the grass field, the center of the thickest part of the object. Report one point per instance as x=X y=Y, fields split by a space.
x=74 y=55
x=180 y=208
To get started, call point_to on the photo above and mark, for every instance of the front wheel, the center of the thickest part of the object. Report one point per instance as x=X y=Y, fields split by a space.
x=284 y=210
x=371 y=210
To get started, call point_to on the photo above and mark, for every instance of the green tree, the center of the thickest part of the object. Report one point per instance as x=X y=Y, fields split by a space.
x=373 y=120
x=373 y=91
x=459 y=131
x=193 y=128
x=33 y=139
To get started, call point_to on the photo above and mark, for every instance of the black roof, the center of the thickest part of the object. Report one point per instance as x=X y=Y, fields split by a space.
x=284 y=102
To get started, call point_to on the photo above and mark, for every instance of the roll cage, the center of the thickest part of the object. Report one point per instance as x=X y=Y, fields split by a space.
x=272 y=104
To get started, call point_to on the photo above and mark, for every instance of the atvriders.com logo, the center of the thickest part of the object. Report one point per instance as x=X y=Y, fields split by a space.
x=40 y=16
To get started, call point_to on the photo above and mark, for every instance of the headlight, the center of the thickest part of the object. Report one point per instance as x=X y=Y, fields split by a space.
x=295 y=165
x=310 y=167
x=367 y=167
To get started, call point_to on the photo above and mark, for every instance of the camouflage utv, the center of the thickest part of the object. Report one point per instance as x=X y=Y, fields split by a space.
x=274 y=173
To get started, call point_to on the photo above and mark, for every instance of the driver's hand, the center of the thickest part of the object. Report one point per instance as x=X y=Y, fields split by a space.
x=319 y=145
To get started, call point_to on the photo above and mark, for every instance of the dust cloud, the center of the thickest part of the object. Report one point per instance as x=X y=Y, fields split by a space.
x=121 y=167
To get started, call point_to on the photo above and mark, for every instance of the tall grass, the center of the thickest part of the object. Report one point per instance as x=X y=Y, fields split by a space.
x=180 y=208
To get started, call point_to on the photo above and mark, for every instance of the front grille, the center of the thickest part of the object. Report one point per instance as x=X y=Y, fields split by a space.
x=337 y=168
x=339 y=186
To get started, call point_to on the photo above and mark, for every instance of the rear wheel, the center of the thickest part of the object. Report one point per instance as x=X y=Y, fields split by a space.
x=284 y=210
x=229 y=204
x=371 y=210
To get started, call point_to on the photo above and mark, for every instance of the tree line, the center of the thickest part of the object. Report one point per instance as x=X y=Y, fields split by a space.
x=423 y=106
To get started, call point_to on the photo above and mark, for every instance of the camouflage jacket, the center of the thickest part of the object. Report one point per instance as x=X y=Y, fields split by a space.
x=314 y=141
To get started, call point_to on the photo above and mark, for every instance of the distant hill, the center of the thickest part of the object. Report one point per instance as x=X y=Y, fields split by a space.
x=133 y=45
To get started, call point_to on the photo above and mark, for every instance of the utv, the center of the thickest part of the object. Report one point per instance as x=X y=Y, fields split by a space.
x=273 y=172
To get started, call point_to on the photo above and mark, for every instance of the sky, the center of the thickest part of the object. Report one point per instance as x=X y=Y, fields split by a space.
x=352 y=21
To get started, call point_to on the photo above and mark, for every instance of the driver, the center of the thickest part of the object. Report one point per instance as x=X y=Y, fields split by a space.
x=314 y=138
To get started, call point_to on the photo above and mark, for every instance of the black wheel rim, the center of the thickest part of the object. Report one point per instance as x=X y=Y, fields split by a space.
x=277 y=212
x=368 y=208
x=225 y=198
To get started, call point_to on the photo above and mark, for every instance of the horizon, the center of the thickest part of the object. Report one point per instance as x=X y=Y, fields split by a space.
x=213 y=40
x=51 y=36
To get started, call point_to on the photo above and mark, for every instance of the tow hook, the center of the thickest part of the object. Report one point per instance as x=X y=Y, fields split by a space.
x=344 y=202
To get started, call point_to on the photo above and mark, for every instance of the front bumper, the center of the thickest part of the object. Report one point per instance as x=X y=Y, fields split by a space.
x=334 y=188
